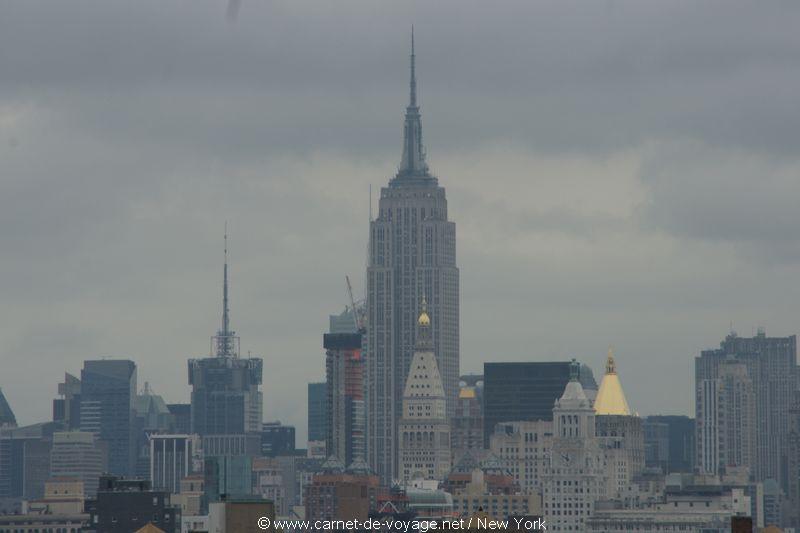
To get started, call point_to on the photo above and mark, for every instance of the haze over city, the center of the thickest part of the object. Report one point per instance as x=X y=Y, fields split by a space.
x=621 y=174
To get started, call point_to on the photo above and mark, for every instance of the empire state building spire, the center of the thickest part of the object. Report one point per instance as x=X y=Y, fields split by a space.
x=413 y=161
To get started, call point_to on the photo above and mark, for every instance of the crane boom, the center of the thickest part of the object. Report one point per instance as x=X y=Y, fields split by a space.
x=356 y=319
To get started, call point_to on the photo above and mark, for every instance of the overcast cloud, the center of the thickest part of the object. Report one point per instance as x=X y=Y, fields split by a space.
x=620 y=173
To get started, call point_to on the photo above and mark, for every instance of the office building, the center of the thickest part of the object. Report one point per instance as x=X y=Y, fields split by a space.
x=235 y=515
x=25 y=460
x=78 y=455
x=172 y=458
x=67 y=407
x=669 y=443
x=771 y=367
x=7 y=418
x=619 y=433
x=344 y=373
x=514 y=392
x=181 y=418
x=412 y=254
x=108 y=391
x=277 y=439
x=336 y=494
x=523 y=448
x=122 y=506
x=467 y=424
x=317 y=411
x=424 y=429
x=226 y=399
x=575 y=477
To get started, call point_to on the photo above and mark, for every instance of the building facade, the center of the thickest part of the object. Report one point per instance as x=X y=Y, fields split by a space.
x=108 y=391
x=669 y=443
x=515 y=392
x=467 y=424
x=226 y=395
x=524 y=448
x=412 y=254
x=575 y=477
x=619 y=433
x=78 y=455
x=317 y=411
x=759 y=370
x=424 y=430
x=172 y=458
x=344 y=373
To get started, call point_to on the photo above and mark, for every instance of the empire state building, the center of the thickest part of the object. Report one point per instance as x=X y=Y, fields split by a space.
x=412 y=256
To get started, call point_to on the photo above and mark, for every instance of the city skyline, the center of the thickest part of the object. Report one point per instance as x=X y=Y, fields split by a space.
x=566 y=243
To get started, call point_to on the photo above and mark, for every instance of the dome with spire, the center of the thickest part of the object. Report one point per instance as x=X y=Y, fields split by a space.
x=610 y=398
x=424 y=319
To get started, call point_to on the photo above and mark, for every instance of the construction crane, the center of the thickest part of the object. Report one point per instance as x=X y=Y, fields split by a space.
x=357 y=318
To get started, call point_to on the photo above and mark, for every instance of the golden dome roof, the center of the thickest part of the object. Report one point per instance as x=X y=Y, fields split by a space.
x=610 y=398
x=424 y=319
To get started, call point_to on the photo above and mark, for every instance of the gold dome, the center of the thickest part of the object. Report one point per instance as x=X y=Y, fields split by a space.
x=424 y=319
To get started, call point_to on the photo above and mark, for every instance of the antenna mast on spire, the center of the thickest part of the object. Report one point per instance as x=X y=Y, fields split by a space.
x=412 y=101
x=226 y=340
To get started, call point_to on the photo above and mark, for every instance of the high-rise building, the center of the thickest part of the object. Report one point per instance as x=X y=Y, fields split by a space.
x=467 y=424
x=7 y=418
x=181 y=418
x=575 y=476
x=172 y=458
x=523 y=448
x=771 y=364
x=669 y=443
x=277 y=439
x=412 y=254
x=67 y=408
x=226 y=399
x=619 y=432
x=317 y=411
x=344 y=372
x=226 y=407
x=338 y=494
x=726 y=408
x=78 y=455
x=122 y=506
x=424 y=431
x=514 y=392
x=25 y=460
x=108 y=390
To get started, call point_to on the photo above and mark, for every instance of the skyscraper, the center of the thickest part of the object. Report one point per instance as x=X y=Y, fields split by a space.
x=344 y=372
x=619 y=432
x=575 y=477
x=317 y=411
x=515 y=392
x=771 y=364
x=76 y=454
x=424 y=431
x=108 y=390
x=412 y=254
x=226 y=399
x=226 y=407
x=7 y=418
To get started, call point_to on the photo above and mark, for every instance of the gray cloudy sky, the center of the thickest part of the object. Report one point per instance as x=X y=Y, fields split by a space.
x=620 y=173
